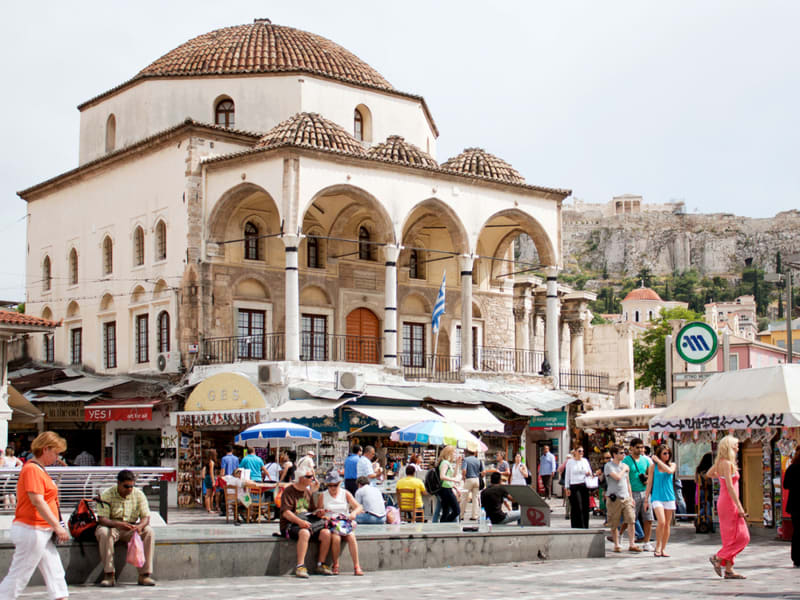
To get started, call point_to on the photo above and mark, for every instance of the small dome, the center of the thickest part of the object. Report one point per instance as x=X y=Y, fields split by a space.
x=478 y=162
x=261 y=47
x=396 y=149
x=310 y=130
x=642 y=293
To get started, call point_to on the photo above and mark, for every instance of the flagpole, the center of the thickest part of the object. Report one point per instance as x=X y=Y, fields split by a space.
x=438 y=311
x=435 y=349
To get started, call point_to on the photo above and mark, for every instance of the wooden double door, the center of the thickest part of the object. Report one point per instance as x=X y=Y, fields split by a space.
x=362 y=342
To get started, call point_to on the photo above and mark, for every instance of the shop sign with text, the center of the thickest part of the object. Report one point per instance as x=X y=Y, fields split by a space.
x=119 y=414
x=550 y=420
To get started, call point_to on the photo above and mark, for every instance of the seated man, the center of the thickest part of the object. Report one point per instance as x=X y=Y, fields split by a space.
x=411 y=482
x=124 y=510
x=297 y=504
x=492 y=501
x=371 y=499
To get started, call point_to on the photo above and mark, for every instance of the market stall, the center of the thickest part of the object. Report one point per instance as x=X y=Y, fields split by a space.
x=761 y=407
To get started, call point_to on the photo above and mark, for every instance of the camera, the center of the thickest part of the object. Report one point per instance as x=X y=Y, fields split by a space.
x=612 y=497
x=643 y=478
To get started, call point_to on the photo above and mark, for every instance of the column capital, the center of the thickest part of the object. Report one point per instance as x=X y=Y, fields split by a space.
x=291 y=240
x=465 y=262
x=576 y=327
x=551 y=272
x=390 y=253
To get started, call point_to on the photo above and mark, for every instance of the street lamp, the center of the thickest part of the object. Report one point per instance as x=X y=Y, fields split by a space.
x=792 y=261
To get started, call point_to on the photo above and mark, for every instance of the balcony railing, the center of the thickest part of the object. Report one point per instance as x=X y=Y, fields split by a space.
x=508 y=360
x=345 y=348
x=580 y=381
x=426 y=367
x=268 y=346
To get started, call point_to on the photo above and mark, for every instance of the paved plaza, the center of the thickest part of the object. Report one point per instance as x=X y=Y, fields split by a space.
x=686 y=574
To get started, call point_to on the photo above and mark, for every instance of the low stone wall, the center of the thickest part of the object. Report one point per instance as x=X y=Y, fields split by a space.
x=221 y=553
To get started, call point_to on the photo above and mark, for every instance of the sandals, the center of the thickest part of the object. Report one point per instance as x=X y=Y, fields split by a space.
x=733 y=575
x=358 y=572
x=617 y=549
x=715 y=562
x=335 y=568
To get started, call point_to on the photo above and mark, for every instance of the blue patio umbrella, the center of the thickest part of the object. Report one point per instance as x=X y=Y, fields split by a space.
x=273 y=433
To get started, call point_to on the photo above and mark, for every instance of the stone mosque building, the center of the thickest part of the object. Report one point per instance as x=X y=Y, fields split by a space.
x=259 y=193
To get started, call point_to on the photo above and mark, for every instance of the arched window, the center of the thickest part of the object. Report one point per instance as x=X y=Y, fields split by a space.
x=364 y=246
x=161 y=241
x=250 y=241
x=224 y=113
x=138 y=247
x=358 y=125
x=73 y=267
x=47 y=274
x=636 y=316
x=108 y=256
x=111 y=133
x=312 y=247
x=163 y=331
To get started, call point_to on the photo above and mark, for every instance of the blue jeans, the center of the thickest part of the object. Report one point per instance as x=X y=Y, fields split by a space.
x=437 y=509
x=512 y=516
x=639 y=531
x=367 y=519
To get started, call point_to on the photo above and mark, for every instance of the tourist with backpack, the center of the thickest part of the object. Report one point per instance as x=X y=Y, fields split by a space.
x=37 y=523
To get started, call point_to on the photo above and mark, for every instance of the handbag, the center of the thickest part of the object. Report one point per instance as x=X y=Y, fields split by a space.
x=317 y=523
x=340 y=525
x=592 y=483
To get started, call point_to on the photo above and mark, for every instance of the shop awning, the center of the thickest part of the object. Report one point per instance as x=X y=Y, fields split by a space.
x=204 y=418
x=308 y=407
x=530 y=404
x=624 y=418
x=392 y=392
x=121 y=409
x=60 y=397
x=86 y=384
x=473 y=418
x=23 y=410
x=305 y=389
x=396 y=416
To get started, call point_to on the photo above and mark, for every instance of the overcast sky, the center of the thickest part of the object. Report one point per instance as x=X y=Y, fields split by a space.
x=697 y=101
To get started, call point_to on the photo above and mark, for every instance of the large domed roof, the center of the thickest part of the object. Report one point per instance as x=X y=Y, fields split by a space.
x=261 y=47
x=478 y=162
x=643 y=293
x=396 y=149
x=310 y=130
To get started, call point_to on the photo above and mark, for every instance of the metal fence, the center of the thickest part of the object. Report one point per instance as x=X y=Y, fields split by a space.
x=580 y=381
x=508 y=360
x=269 y=346
x=426 y=367
x=345 y=348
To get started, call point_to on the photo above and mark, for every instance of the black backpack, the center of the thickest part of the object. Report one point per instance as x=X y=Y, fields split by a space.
x=433 y=483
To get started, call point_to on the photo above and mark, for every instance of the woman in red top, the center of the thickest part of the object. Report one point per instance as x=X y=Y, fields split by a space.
x=36 y=522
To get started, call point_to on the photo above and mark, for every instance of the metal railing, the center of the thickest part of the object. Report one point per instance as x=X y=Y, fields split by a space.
x=75 y=483
x=508 y=360
x=269 y=346
x=344 y=348
x=426 y=367
x=580 y=381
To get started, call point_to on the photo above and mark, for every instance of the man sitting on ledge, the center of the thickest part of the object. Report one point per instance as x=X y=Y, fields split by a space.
x=126 y=511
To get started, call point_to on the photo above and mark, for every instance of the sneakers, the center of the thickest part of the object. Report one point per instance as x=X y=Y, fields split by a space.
x=648 y=547
x=324 y=569
x=301 y=572
x=146 y=580
x=108 y=580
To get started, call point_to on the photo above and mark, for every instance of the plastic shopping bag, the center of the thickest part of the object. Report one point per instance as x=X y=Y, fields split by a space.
x=136 y=551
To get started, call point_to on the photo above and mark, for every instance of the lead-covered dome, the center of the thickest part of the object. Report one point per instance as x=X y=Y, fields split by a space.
x=478 y=162
x=261 y=47
x=396 y=149
x=310 y=130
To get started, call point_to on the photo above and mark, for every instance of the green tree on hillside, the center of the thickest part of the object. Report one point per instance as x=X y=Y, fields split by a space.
x=649 y=354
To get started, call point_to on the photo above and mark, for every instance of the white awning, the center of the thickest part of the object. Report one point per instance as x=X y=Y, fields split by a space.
x=303 y=389
x=625 y=418
x=473 y=418
x=530 y=403
x=307 y=407
x=396 y=416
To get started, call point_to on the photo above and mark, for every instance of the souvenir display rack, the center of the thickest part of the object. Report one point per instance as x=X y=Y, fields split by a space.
x=190 y=458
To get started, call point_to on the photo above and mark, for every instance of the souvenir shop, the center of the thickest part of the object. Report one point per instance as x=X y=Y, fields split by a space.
x=217 y=409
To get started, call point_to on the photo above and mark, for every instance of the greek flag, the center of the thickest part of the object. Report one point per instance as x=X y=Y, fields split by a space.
x=438 y=308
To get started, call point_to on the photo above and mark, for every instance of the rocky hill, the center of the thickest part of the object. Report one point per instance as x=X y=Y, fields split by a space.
x=715 y=244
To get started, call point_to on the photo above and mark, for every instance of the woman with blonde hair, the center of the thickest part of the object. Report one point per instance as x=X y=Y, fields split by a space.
x=732 y=516
x=36 y=522
x=447 y=474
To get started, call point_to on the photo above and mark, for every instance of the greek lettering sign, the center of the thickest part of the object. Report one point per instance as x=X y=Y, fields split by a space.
x=696 y=343
x=225 y=391
x=556 y=419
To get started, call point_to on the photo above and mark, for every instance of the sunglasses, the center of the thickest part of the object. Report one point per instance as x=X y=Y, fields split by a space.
x=606 y=458
x=127 y=486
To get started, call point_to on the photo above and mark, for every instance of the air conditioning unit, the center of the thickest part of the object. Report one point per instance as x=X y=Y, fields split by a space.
x=270 y=374
x=169 y=362
x=349 y=381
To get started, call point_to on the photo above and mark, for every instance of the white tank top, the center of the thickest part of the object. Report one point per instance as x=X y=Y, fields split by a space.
x=516 y=476
x=336 y=505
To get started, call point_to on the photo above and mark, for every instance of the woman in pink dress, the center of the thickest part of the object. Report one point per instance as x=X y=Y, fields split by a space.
x=732 y=517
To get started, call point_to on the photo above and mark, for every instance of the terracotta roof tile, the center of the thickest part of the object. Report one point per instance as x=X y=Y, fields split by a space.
x=642 y=293
x=9 y=317
x=396 y=149
x=261 y=47
x=478 y=162
x=310 y=130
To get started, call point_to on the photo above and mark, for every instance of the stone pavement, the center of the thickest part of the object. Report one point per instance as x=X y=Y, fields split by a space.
x=686 y=574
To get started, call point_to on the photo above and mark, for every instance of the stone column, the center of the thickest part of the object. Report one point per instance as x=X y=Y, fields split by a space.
x=292 y=298
x=390 y=307
x=552 y=322
x=465 y=265
x=576 y=329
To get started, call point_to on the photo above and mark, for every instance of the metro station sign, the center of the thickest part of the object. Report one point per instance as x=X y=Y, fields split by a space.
x=696 y=342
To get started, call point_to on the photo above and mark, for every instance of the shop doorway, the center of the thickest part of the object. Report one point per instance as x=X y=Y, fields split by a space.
x=139 y=448
x=79 y=440
x=752 y=481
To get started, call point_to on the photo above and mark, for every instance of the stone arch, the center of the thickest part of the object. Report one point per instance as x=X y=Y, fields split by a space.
x=314 y=295
x=416 y=304
x=360 y=200
x=436 y=209
x=362 y=116
x=248 y=287
x=73 y=310
x=138 y=295
x=160 y=290
x=518 y=222
x=224 y=208
x=107 y=302
x=47 y=313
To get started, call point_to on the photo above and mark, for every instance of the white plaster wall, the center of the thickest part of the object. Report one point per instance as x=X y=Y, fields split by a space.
x=609 y=349
x=113 y=201
x=261 y=103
